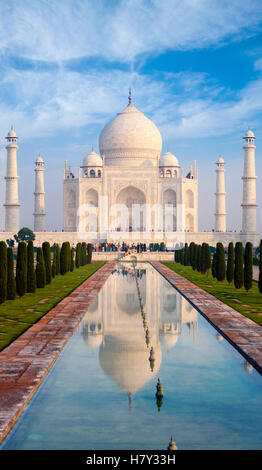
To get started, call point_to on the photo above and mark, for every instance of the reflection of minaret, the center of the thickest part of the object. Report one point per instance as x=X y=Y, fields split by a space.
x=220 y=214
x=248 y=366
x=130 y=400
x=39 y=213
x=11 y=196
x=170 y=326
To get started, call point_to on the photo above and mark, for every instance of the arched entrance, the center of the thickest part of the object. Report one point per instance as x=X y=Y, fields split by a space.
x=134 y=201
x=170 y=203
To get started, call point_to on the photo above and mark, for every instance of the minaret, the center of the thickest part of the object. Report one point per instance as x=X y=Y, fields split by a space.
x=220 y=214
x=39 y=213
x=249 y=205
x=11 y=193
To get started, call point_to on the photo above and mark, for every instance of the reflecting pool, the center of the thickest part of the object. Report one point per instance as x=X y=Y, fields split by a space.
x=100 y=393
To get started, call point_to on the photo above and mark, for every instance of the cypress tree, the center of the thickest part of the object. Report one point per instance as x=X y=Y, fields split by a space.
x=72 y=264
x=191 y=252
x=40 y=269
x=248 y=269
x=11 y=286
x=203 y=259
x=214 y=266
x=3 y=272
x=47 y=260
x=230 y=262
x=78 y=255
x=31 y=279
x=194 y=257
x=186 y=255
x=220 y=262
x=89 y=252
x=54 y=260
x=68 y=256
x=207 y=257
x=198 y=258
x=238 y=271
x=260 y=268
x=21 y=269
x=63 y=259
x=84 y=254
x=182 y=258
x=57 y=259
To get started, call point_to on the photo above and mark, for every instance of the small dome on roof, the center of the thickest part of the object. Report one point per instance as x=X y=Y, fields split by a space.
x=92 y=159
x=39 y=159
x=168 y=159
x=11 y=133
x=220 y=160
x=249 y=133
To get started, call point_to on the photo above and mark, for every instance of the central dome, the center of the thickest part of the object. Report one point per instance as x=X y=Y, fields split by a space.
x=130 y=139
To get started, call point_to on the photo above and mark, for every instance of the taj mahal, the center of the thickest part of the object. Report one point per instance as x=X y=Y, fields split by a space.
x=130 y=190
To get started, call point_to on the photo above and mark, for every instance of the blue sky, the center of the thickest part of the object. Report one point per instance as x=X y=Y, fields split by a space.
x=195 y=68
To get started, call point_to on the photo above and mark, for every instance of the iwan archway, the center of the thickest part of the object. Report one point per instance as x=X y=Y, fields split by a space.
x=131 y=202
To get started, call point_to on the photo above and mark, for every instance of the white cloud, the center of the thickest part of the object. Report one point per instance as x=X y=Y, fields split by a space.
x=55 y=30
x=182 y=105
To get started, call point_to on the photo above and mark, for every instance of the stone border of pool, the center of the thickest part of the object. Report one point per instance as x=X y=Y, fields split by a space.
x=25 y=362
x=244 y=334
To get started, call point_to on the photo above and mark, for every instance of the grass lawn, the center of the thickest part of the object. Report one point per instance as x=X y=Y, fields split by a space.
x=18 y=315
x=248 y=303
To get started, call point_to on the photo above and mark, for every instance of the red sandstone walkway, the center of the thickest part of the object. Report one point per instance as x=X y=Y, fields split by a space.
x=244 y=334
x=25 y=362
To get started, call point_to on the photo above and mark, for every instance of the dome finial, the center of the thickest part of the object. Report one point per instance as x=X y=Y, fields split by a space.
x=130 y=96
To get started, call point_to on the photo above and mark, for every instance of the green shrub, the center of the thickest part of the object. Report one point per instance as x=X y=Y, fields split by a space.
x=230 y=263
x=78 y=257
x=260 y=268
x=3 y=272
x=89 y=252
x=198 y=258
x=63 y=259
x=57 y=259
x=191 y=253
x=47 y=260
x=54 y=260
x=31 y=277
x=21 y=269
x=207 y=257
x=186 y=255
x=248 y=268
x=11 y=285
x=84 y=254
x=202 y=259
x=220 y=262
x=214 y=266
x=40 y=269
x=238 y=271
x=72 y=264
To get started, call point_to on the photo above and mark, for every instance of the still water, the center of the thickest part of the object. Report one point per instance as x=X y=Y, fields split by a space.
x=100 y=394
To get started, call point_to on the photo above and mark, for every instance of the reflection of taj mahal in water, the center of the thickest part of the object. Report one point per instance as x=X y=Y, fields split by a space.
x=113 y=324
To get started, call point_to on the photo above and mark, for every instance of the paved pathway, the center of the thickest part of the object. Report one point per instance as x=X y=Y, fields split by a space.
x=244 y=334
x=26 y=361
